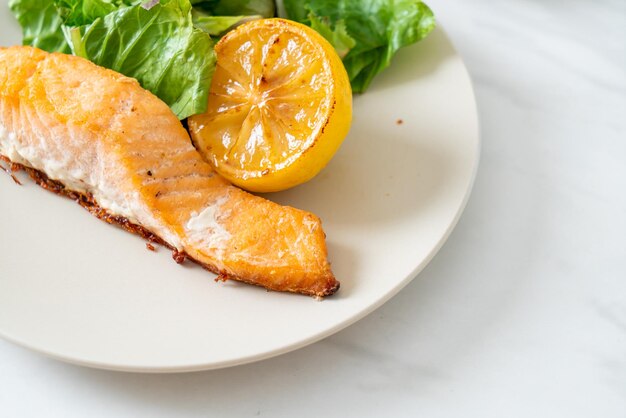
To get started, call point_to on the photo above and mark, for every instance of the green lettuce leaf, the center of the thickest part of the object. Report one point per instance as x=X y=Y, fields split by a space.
x=160 y=47
x=82 y=12
x=41 y=24
x=264 y=8
x=378 y=27
x=218 y=25
x=338 y=37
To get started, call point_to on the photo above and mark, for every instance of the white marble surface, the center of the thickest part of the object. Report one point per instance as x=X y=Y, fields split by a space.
x=522 y=313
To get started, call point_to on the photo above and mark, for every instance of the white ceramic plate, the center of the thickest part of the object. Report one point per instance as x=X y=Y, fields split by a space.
x=79 y=290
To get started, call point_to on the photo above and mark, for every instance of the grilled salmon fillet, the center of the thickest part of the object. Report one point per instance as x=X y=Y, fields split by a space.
x=99 y=135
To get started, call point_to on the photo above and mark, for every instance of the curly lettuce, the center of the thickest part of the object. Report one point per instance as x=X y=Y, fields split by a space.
x=366 y=33
x=41 y=24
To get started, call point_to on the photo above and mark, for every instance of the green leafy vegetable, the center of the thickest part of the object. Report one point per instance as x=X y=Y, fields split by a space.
x=378 y=27
x=159 y=47
x=41 y=24
x=338 y=37
x=263 y=8
x=216 y=17
x=218 y=25
x=81 y=12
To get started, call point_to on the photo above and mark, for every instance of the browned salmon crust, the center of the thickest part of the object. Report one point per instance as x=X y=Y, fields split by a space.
x=92 y=206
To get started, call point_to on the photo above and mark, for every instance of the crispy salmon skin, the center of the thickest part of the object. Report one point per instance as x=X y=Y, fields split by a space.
x=99 y=135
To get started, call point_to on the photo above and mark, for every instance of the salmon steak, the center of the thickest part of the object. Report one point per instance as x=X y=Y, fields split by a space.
x=98 y=137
